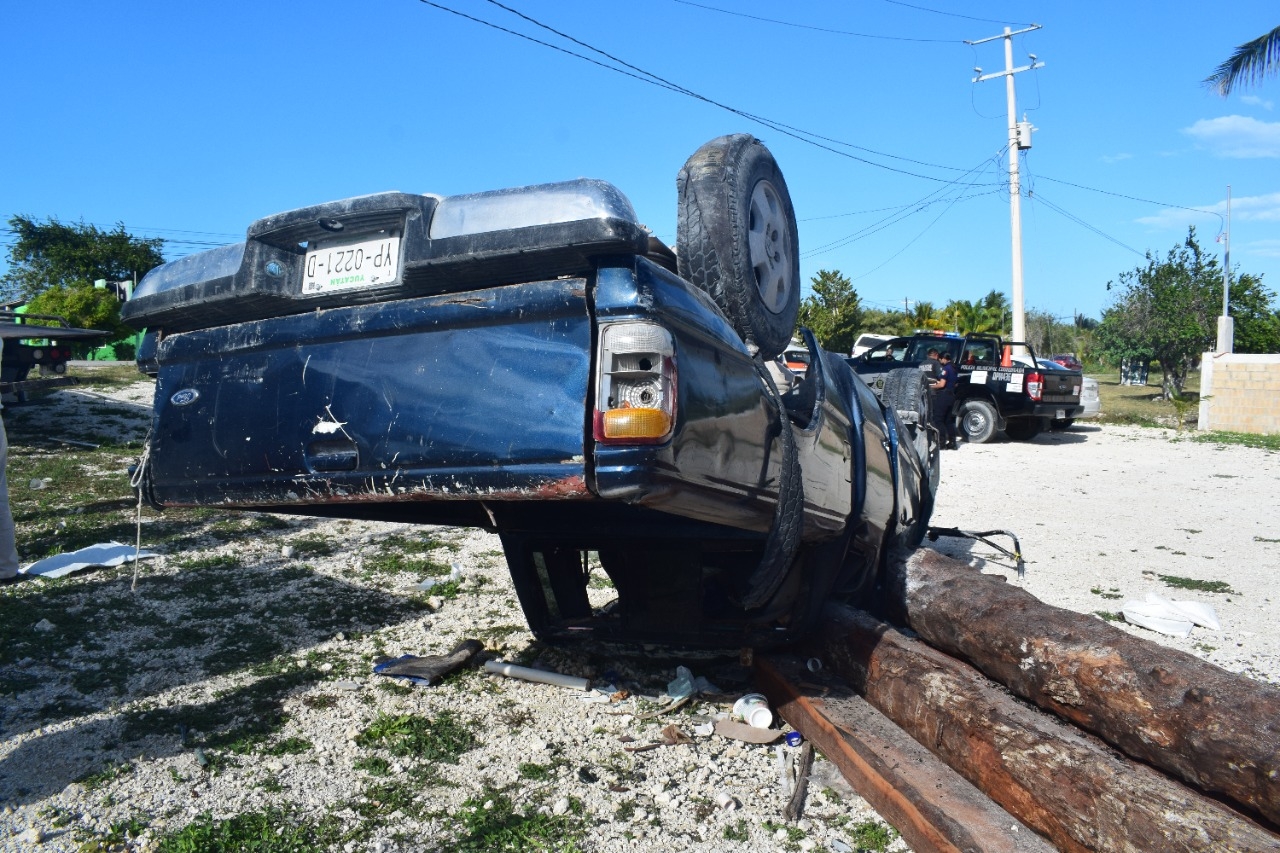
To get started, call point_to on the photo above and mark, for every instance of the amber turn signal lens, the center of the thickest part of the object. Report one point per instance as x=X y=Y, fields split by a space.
x=636 y=423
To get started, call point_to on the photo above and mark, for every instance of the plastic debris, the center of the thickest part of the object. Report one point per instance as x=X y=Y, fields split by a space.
x=1174 y=618
x=745 y=733
x=682 y=685
x=105 y=554
x=794 y=739
x=511 y=670
x=754 y=710
x=431 y=668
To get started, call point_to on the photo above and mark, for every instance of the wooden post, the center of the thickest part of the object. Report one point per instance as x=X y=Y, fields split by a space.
x=1213 y=729
x=1062 y=783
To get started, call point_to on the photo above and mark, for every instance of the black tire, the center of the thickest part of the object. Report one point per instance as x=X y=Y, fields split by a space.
x=1023 y=429
x=736 y=238
x=1062 y=424
x=906 y=389
x=977 y=421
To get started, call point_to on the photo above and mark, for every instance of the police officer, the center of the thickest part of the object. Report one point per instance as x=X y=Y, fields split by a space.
x=944 y=397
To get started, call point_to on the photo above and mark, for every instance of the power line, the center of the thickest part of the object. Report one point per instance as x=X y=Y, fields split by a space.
x=1133 y=198
x=903 y=212
x=952 y=14
x=808 y=27
x=1035 y=196
x=640 y=74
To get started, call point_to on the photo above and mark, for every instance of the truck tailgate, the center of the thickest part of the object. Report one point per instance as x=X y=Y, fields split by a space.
x=362 y=402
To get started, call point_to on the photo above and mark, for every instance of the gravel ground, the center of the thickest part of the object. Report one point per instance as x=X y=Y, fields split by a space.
x=137 y=723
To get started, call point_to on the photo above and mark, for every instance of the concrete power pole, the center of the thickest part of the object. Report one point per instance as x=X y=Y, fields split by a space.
x=1019 y=140
x=1226 y=325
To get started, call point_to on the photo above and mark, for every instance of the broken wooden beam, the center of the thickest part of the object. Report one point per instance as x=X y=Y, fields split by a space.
x=932 y=807
x=1063 y=783
x=1214 y=729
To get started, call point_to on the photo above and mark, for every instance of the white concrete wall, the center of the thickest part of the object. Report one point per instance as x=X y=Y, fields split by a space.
x=1240 y=393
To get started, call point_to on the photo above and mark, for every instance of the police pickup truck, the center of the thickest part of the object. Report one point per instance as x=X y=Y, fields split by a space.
x=532 y=362
x=997 y=389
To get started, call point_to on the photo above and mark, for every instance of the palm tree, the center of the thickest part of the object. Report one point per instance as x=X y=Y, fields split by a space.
x=1248 y=65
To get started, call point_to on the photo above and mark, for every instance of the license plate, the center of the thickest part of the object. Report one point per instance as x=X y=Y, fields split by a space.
x=1060 y=414
x=350 y=264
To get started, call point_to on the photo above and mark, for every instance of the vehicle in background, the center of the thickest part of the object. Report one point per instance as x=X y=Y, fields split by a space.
x=1067 y=360
x=866 y=341
x=796 y=358
x=1090 y=403
x=995 y=389
x=39 y=342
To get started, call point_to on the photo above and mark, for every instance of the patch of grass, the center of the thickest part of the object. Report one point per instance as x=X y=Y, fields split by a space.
x=270 y=831
x=312 y=545
x=1112 y=593
x=116 y=837
x=393 y=564
x=109 y=773
x=1264 y=539
x=492 y=824
x=1198 y=585
x=794 y=833
x=1263 y=442
x=1108 y=616
x=736 y=831
x=1141 y=405
x=385 y=798
x=443 y=738
x=872 y=836
x=411 y=544
x=535 y=772
x=290 y=746
x=374 y=765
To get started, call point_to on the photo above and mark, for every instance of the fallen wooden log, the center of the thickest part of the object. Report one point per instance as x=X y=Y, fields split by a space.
x=934 y=808
x=1213 y=729
x=1064 y=784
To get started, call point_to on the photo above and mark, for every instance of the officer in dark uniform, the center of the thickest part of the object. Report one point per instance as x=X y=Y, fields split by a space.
x=944 y=397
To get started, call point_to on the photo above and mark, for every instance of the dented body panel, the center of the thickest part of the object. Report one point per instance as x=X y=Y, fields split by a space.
x=464 y=389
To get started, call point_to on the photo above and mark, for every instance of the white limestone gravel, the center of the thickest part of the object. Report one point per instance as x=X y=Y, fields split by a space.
x=1100 y=512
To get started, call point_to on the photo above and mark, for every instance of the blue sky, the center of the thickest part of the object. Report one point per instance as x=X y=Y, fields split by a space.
x=188 y=121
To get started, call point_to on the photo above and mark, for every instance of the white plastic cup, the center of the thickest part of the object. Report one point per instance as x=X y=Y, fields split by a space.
x=753 y=709
x=726 y=801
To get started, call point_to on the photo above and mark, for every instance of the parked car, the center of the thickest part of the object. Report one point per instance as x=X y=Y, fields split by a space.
x=866 y=341
x=796 y=358
x=1067 y=360
x=1089 y=400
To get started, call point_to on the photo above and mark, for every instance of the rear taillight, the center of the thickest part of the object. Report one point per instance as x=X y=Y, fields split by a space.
x=635 y=386
x=1035 y=386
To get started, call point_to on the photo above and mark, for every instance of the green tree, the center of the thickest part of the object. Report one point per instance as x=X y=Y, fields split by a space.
x=45 y=255
x=1257 y=323
x=87 y=307
x=1251 y=62
x=1166 y=311
x=833 y=312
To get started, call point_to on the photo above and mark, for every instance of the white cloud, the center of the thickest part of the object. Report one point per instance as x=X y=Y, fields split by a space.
x=1255 y=101
x=1262 y=248
x=1116 y=158
x=1237 y=136
x=1254 y=208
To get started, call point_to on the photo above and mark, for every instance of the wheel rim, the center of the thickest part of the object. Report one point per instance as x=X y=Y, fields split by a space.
x=974 y=422
x=769 y=245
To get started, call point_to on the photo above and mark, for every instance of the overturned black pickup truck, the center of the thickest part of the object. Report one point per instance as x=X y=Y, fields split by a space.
x=531 y=361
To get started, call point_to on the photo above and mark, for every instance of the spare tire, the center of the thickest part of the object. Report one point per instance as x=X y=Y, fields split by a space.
x=736 y=238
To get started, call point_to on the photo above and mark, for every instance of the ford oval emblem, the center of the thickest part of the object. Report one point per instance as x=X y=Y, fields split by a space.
x=185 y=397
x=275 y=269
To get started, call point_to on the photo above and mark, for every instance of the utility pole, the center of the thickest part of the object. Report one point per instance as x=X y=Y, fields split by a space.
x=1019 y=140
x=1226 y=325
